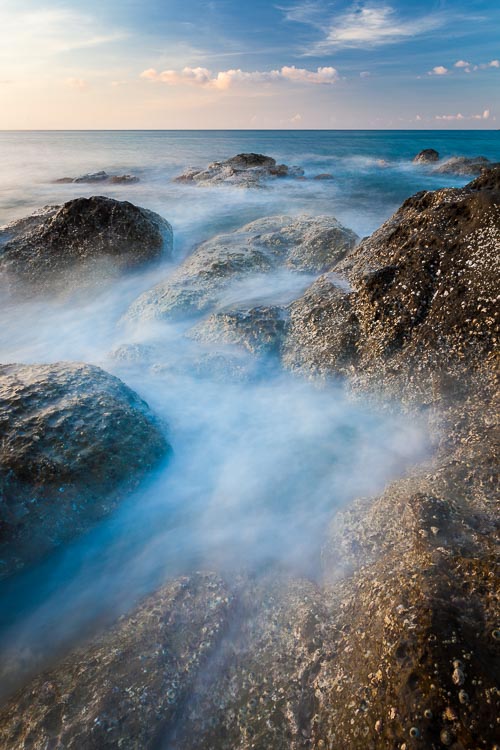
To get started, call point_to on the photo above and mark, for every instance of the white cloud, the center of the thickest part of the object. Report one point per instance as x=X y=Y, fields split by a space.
x=459 y=116
x=77 y=83
x=226 y=79
x=296 y=119
x=365 y=74
x=373 y=25
x=462 y=64
x=494 y=64
x=439 y=70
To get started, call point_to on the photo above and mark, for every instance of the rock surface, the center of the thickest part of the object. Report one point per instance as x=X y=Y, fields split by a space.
x=74 y=441
x=128 y=685
x=260 y=330
x=242 y=170
x=397 y=647
x=427 y=156
x=46 y=247
x=303 y=243
x=101 y=177
x=463 y=165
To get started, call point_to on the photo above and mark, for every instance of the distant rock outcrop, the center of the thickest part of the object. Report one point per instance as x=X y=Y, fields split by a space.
x=242 y=170
x=100 y=177
x=427 y=156
x=463 y=165
x=74 y=441
x=62 y=240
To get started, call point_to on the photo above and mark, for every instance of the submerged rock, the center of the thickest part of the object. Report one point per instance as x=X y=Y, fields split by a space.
x=463 y=165
x=323 y=176
x=260 y=330
x=303 y=243
x=100 y=177
x=427 y=156
x=75 y=440
x=242 y=170
x=58 y=241
x=125 y=689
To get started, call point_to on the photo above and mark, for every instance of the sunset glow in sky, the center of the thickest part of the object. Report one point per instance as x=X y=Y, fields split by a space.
x=228 y=64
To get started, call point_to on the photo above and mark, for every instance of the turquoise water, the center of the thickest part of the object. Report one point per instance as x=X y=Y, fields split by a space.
x=259 y=466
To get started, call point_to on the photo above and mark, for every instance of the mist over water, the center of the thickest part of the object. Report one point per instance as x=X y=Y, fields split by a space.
x=262 y=459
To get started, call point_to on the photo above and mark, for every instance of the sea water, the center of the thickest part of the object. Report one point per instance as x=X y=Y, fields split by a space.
x=261 y=462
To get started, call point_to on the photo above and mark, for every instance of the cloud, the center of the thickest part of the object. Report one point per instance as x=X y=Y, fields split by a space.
x=494 y=64
x=296 y=118
x=439 y=70
x=226 y=79
x=372 y=25
x=462 y=64
x=365 y=74
x=459 y=116
x=77 y=83
x=307 y=12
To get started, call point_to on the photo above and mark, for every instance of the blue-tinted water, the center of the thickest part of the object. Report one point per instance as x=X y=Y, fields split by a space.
x=260 y=465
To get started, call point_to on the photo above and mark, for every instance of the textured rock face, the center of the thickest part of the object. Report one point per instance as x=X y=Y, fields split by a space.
x=242 y=170
x=424 y=289
x=126 y=688
x=427 y=156
x=301 y=243
x=463 y=165
x=59 y=240
x=74 y=440
x=260 y=330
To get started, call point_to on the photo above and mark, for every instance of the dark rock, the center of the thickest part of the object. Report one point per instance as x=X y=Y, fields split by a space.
x=62 y=240
x=246 y=161
x=74 y=441
x=462 y=165
x=304 y=243
x=427 y=156
x=424 y=289
x=100 y=177
x=323 y=176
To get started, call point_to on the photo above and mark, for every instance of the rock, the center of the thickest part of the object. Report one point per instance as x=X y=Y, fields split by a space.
x=424 y=289
x=126 y=687
x=260 y=330
x=323 y=176
x=242 y=170
x=462 y=165
x=303 y=243
x=75 y=440
x=427 y=156
x=66 y=240
x=100 y=177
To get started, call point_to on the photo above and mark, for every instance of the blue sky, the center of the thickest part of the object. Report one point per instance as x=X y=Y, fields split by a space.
x=227 y=64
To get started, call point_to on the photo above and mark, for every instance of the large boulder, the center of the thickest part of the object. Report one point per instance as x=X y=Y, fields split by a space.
x=242 y=170
x=75 y=440
x=423 y=291
x=58 y=241
x=303 y=243
x=427 y=156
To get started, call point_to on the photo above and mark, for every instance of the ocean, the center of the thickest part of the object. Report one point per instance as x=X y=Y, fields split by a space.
x=260 y=463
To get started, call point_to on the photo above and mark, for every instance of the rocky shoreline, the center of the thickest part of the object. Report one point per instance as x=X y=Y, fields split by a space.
x=397 y=645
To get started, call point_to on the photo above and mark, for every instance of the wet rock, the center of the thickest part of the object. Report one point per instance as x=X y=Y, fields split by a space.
x=75 y=440
x=462 y=165
x=424 y=290
x=303 y=243
x=242 y=170
x=126 y=687
x=260 y=330
x=427 y=156
x=100 y=177
x=323 y=176
x=59 y=242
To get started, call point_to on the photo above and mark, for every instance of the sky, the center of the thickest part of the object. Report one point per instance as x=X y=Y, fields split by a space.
x=238 y=64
